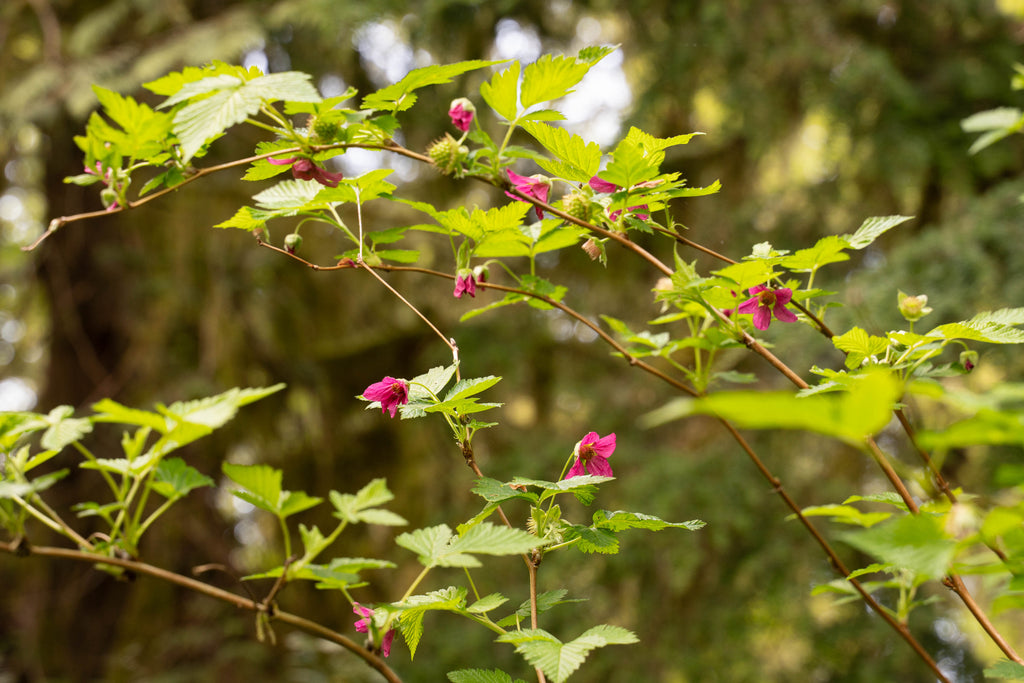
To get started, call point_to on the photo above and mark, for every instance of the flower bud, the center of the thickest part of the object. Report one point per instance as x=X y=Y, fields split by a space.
x=109 y=197
x=968 y=359
x=461 y=112
x=292 y=242
x=913 y=308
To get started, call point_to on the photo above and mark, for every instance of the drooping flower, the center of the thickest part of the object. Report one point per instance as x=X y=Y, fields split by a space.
x=461 y=112
x=363 y=626
x=390 y=392
x=305 y=169
x=599 y=185
x=592 y=453
x=464 y=284
x=765 y=303
x=536 y=186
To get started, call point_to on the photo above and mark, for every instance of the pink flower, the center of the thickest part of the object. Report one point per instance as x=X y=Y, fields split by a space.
x=592 y=453
x=536 y=186
x=599 y=185
x=461 y=113
x=363 y=626
x=390 y=392
x=305 y=169
x=767 y=302
x=464 y=284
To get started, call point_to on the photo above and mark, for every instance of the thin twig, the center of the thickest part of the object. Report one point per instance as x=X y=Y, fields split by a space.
x=298 y=622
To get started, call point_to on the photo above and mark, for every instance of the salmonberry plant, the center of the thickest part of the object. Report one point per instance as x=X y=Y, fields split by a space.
x=563 y=193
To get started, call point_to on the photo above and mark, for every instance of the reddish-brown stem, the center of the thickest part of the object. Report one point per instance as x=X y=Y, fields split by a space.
x=834 y=559
x=956 y=584
x=294 y=620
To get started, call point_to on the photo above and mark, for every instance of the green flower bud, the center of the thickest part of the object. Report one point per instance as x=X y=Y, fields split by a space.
x=968 y=359
x=292 y=242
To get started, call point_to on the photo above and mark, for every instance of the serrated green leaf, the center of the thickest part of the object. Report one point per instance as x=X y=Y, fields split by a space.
x=480 y=676
x=488 y=539
x=10 y=489
x=294 y=502
x=223 y=101
x=650 y=144
x=621 y=520
x=747 y=274
x=430 y=544
x=487 y=603
x=424 y=387
x=590 y=540
x=549 y=78
x=396 y=97
x=829 y=249
x=410 y=619
x=261 y=483
x=500 y=92
x=916 y=543
x=1003 y=316
x=470 y=387
x=990 y=332
x=248 y=218
x=382 y=517
x=1006 y=670
x=873 y=228
x=559 y=660
x=851 y=416
x=630 y=165
x=495 y=491
x=174 y=479
x=580 y=159
x=545 y=601
x=64 y=429
x=845 y=514
x=859 y=345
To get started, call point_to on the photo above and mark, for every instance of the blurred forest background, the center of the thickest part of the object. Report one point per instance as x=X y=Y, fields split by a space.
x=816 y=114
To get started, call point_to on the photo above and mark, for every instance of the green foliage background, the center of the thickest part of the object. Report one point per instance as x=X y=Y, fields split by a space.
x=816 y=114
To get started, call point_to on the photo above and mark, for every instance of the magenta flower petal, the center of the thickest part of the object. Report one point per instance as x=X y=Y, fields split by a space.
x=464 y=284
x=461 y=118
x=592 y=453
x=599 y=185
x=305 y=169
x=767 y=302
x=362 y=625
x=531 y=187
x=390 y=392
x=385 y=643
x=577 y=469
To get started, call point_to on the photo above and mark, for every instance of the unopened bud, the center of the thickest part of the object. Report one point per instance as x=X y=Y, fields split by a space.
x=292 y=242
x=968 y=359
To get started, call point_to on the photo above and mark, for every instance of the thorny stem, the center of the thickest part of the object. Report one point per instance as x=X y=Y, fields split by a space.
x=296 y=621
